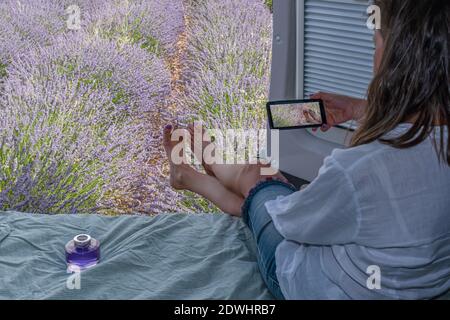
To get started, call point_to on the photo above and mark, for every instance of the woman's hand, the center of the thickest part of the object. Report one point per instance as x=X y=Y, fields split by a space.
x=340 y=109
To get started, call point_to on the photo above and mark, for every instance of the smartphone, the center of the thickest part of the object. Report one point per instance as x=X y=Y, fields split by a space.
x=296 y=114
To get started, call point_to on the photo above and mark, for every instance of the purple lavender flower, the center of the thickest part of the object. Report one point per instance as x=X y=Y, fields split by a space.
x=75 y=130
x=229 y=62
x=80 y=111
x=152 y=24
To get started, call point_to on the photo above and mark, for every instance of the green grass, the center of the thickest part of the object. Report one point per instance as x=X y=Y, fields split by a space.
x=75 y=174
x=147 y=43
x=197 y=203
x=3 y=71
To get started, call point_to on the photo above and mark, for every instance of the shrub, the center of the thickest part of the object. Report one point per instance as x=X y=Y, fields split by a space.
x=72 y=137
x=154 y=25
x=229 y=62
x=27 y=24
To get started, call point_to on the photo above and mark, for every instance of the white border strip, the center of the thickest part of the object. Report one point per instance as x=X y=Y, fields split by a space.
x=300 y=47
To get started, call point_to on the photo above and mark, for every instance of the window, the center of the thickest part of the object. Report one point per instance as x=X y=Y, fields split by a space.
x=334 y=47
x=319 y=45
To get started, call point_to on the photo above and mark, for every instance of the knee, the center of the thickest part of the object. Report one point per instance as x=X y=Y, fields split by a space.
x=234 y=208
x=248 y=177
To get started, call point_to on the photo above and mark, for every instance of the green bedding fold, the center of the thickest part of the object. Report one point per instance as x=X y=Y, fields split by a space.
x=164 y=257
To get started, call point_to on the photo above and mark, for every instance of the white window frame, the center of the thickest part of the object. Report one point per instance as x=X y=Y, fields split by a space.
x=301 y=151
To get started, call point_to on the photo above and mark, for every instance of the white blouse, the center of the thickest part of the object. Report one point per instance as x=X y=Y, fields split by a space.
x=372 y=208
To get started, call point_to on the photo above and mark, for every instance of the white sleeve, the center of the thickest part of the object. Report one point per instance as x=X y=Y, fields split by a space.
x=325 y=213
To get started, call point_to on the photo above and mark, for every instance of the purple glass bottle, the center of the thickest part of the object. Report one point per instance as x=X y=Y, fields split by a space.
x=82 y=252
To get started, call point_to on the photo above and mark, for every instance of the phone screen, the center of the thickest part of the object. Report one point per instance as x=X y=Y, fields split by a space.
x=296 y=114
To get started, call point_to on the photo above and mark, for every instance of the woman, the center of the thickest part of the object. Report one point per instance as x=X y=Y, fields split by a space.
x=380 y=207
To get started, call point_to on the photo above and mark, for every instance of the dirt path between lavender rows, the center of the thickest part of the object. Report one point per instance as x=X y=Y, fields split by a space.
x=134 y=199
x=176 y=64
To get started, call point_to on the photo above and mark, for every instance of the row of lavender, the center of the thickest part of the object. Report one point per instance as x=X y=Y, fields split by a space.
x=227 y=67
x=228 y=62
x=77 y=105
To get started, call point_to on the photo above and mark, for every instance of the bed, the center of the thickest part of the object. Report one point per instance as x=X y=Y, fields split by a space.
x=178 y=256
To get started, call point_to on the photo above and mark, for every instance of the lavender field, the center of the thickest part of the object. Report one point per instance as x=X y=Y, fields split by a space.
x=81 y=109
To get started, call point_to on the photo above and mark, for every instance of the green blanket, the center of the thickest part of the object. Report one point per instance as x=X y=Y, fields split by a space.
x=164 y=257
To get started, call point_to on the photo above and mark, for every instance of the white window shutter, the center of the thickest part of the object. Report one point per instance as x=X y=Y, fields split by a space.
x=338 y=47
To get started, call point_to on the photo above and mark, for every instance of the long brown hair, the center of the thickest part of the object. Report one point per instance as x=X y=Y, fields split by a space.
x=412 y=81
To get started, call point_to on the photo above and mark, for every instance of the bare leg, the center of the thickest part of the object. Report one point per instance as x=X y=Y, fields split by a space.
x=196 y=138
x=240 y=179
x=185 y=177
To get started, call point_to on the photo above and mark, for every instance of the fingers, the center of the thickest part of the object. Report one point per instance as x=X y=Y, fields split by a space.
x=323 y=128
x=319 y=95
x=327 y=98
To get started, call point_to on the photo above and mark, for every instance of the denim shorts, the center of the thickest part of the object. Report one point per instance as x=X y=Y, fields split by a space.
x=260 y=223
